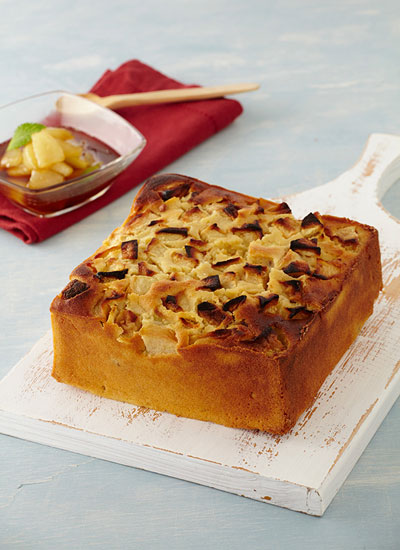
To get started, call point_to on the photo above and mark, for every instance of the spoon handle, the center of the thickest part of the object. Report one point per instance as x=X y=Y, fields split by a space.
x=171 y=96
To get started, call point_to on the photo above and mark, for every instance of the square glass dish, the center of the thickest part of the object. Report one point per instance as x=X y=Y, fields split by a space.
x=96 y=124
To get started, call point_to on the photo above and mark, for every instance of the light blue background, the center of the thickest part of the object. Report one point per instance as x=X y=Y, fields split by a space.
x=330 y=76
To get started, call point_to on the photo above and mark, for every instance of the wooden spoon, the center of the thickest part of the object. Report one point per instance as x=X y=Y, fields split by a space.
x=170 y=96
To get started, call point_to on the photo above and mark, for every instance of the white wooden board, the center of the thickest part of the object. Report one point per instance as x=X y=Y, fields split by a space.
x=302 y=470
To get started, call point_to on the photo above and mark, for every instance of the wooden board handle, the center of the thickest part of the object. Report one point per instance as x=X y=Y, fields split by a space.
x=357 y=192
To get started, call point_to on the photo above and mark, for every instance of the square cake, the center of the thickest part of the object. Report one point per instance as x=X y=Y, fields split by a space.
x=217 y=306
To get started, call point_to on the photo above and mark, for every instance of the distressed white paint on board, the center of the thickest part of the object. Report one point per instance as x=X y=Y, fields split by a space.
x=302 y=470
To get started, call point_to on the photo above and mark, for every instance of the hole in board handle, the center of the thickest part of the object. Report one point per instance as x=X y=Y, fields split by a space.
x=391 y=200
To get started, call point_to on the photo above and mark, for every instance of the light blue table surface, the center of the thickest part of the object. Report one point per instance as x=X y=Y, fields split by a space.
x=330 y=76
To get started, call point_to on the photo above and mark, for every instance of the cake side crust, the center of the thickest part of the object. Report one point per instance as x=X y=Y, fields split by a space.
x=332 y=332
x=232 y=387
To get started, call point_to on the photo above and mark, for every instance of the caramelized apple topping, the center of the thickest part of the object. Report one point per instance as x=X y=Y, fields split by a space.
x=174 y=231
x=231 y=210
x=255 y=268
x=288 y=225
x=178 y=191
x=273 y=274
x=310 y=220
x=282 y=208
x=117 y=274
x=129 y=249
x=197 y=242
x=265 y=300
x=74 y=288
x=234 y=303
x=224 y=263
x=305 y=244
x=297 y=268
x=192 y=252
x=211 y=283
x=170 y=303
x=211 y=313
x=252 y=227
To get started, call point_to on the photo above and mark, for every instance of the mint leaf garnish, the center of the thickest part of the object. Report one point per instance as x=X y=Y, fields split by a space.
x=23 y=134
x=91 y=169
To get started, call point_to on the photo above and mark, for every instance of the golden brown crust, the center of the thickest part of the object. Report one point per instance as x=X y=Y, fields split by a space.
x=214 y=305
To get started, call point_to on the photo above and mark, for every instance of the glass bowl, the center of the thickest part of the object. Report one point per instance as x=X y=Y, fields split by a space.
x=62 y=109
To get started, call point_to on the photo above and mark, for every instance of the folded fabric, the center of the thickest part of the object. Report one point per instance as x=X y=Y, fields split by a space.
x=170 y=130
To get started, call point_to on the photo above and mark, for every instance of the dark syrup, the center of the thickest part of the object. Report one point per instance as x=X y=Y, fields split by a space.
x=53 y=201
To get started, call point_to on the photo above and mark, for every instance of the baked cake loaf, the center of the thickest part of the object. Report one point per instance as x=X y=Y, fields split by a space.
x=217 y=306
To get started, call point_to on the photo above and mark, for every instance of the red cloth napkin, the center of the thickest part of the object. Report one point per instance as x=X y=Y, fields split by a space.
x=170 y=130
